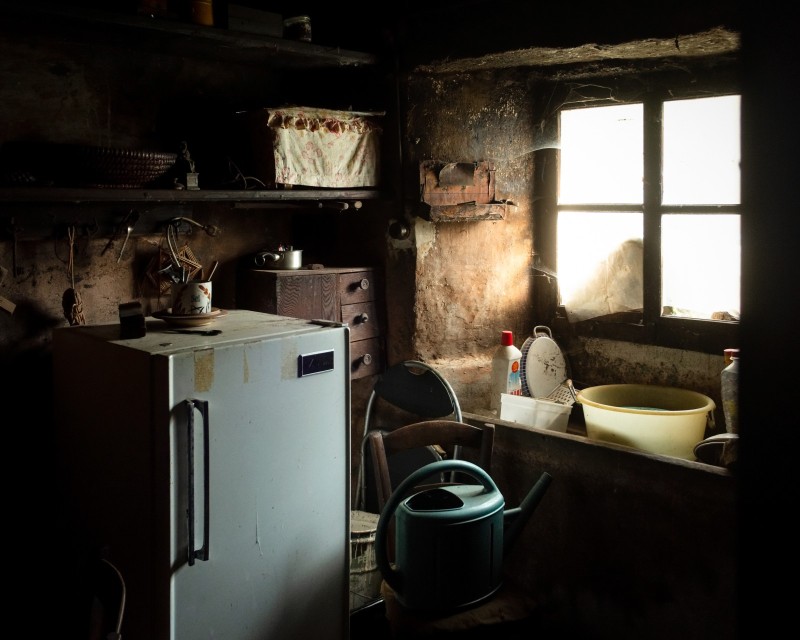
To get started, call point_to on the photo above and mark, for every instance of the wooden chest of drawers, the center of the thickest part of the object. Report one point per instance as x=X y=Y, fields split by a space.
x=344 y=294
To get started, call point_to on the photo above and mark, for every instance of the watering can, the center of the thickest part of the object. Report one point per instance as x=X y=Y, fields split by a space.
x=450 y=540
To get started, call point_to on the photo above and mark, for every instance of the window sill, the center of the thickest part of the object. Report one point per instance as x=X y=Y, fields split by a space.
x=576 y=433
x=704 y=336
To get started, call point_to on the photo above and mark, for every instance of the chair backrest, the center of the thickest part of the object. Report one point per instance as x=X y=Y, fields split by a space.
x=409 y=391
x=415 y=388
x=478 y=441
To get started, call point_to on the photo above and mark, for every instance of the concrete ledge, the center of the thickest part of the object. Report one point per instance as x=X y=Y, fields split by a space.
x=624 y=544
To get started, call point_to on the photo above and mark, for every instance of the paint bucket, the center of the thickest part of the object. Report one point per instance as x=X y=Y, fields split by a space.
x=365 y=579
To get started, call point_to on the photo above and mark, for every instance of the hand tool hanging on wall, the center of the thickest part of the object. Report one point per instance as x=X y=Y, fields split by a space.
x=117 y=232
x=71 y=300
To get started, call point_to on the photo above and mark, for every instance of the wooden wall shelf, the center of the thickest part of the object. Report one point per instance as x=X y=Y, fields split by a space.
x=48 y=195
x=173 y=36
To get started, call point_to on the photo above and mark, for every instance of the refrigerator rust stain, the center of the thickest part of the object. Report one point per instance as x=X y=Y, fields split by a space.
x=204 y=370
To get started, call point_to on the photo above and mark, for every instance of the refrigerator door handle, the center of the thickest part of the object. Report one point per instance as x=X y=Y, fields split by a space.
x=202 y=553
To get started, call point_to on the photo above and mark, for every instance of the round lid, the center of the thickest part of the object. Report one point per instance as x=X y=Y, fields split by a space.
x=729 y=355
x=363 y=521
x=542 y=366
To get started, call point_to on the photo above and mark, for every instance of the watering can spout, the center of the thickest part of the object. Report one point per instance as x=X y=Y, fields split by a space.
x=514 y=520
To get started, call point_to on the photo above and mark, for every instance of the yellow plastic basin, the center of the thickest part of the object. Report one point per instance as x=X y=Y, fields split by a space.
x=656 y=419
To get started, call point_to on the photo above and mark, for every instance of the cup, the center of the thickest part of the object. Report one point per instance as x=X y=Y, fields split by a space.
x=191 y=298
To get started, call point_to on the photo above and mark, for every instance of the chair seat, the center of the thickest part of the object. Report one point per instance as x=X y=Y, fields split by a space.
x=509 y=605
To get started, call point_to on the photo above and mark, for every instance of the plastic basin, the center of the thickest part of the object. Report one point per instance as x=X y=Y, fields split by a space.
x=664 y=420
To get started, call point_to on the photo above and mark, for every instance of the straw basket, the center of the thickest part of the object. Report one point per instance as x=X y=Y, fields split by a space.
x=365 y=579
x=74 y=165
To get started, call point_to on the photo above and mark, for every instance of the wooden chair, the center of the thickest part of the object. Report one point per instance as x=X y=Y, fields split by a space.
x=407 y=392
x=476 y=445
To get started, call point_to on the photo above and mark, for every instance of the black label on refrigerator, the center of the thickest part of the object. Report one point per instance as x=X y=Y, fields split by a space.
x=311 y=363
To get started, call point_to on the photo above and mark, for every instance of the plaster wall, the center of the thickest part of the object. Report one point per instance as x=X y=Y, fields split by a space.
x=61 y=91
x=473 y=280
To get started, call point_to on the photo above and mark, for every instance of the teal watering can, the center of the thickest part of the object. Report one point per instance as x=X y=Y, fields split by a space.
x=450 y=541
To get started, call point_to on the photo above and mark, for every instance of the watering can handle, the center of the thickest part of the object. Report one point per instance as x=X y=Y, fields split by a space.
x=393 y=577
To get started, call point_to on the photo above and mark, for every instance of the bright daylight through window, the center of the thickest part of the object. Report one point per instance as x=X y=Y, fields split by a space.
x=603 y=205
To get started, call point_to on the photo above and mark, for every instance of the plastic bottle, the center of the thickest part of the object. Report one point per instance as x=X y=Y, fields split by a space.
x=505 y=370
x=730 y=390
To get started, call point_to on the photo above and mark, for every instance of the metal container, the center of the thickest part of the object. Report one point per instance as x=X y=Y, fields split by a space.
x=279 y=259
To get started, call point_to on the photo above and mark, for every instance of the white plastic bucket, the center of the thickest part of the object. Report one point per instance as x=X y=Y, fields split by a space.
x=365 y=579
x=535 y=412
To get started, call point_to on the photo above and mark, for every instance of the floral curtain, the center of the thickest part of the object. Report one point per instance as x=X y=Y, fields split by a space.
x=324 y=148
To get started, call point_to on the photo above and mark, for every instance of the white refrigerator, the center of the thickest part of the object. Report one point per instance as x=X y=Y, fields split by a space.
x=214 y=471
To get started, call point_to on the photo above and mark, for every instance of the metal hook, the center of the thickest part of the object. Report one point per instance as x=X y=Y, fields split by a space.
x=133 y=218
x=210 y=229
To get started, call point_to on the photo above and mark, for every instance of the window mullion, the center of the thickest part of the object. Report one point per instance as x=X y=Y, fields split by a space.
x=653 y=114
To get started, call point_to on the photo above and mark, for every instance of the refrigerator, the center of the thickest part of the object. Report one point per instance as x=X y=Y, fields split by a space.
x=212 y=466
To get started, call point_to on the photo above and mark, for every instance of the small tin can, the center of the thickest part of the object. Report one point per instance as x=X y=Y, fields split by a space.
x=297 y=28
x=202 y=12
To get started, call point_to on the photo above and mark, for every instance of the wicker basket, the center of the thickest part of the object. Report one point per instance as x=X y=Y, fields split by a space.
x=72 y=165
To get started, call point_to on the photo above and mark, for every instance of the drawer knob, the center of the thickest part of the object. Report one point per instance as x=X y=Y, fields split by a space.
x=367 y=358
x=361 y=318
x=364 y=284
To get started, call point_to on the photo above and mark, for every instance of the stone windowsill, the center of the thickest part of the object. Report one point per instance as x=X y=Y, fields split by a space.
x=576 y=431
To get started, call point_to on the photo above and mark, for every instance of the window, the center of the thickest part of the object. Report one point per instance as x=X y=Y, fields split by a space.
x=648 y=219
